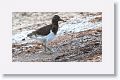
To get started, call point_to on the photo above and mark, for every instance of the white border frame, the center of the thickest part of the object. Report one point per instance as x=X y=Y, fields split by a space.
x=104 y=67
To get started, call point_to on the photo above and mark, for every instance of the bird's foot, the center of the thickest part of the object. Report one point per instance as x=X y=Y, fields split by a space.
x=48 y=51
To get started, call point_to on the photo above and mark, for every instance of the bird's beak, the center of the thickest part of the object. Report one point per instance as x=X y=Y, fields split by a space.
x=62 y=20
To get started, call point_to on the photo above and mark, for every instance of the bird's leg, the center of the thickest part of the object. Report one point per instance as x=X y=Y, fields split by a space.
x=46 y=47
x=50 y=51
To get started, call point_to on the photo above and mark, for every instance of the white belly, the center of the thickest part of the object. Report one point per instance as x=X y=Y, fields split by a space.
x=47 y=38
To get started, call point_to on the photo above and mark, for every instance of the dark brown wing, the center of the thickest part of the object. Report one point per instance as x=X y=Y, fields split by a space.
x=43 y=31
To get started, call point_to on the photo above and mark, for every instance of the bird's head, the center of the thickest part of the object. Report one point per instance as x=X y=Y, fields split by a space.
x=56 y=18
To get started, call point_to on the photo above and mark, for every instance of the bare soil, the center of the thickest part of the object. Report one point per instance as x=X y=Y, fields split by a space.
x=83 y=46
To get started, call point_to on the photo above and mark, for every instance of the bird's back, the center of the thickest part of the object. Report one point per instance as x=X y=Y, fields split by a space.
x=43 y=31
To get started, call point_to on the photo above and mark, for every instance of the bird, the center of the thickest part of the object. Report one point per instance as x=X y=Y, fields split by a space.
x=47 y=33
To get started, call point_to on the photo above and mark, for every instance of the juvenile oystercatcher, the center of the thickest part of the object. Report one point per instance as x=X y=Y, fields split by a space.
x=46 y=33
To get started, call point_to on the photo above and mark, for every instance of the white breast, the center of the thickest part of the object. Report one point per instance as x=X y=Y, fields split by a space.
x=50 y=36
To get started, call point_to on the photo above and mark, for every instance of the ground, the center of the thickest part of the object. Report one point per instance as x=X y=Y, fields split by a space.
x=79 y=39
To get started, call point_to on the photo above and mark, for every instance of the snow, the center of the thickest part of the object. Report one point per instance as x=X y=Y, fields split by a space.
x=19 y=36
x=75 y=24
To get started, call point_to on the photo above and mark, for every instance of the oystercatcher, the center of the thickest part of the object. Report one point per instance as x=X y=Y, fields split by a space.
x=46 y=33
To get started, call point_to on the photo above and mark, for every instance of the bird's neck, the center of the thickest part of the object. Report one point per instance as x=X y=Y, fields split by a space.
x=54 y=27
x=54 y=22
